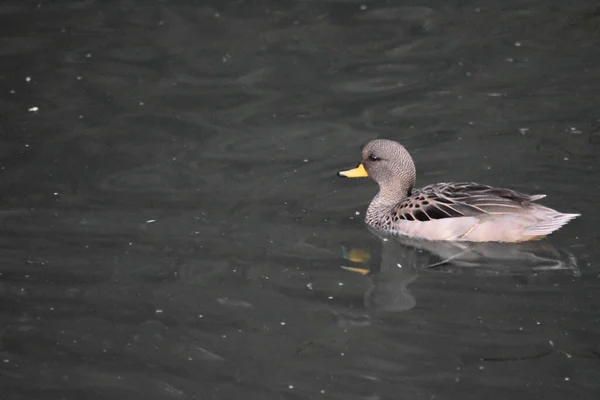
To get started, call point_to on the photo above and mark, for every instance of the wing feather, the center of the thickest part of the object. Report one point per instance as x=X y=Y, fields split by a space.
x=464 y=199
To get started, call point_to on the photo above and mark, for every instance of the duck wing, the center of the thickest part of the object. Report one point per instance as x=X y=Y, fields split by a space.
x=464 y=199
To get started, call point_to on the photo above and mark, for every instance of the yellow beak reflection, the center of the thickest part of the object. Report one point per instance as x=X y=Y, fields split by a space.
x=358 y=172
x=362 y=271
x=356 y=255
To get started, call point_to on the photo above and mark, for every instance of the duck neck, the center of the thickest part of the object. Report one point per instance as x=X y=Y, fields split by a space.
x=393 y=194
x=385 y=201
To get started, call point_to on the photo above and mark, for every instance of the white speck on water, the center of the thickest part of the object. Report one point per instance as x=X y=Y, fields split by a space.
x=356 y=212
x=27 y=79
x=385 y=239
x=200 y=315
x=78 y=77
x=342 y=354
x=305 y=160
x=217 y=15
x=566 y=158
x=520 y=328
x=523 y=131
x=551 y=343
x=322 y=391
x=330 y=297
x=88 y=55
x=481 y=367
x=159 y=311
x=6 y=360
x=282 y=323
x=141 y=103
x=567 y=378
x=574 y=129
x=340 y=283
x=150 y=221
x=33 y=109
x=189 y=358
x=518 y=44
x=12 y=91
x=309 y=286
x=56 y=193
x=538 y=323
x=363 y=7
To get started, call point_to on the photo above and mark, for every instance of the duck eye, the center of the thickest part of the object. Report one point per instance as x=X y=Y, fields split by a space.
x=374 y=158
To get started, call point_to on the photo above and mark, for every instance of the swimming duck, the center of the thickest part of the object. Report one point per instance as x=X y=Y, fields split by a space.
x=464 y=211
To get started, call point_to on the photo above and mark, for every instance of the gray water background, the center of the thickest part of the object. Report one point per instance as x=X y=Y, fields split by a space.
x=172 y=227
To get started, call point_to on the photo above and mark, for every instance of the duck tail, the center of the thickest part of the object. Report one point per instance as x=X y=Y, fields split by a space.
x=550 y=224
x=536 y=197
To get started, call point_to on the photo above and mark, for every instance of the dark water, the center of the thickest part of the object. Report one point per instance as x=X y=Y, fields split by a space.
x=172 y=227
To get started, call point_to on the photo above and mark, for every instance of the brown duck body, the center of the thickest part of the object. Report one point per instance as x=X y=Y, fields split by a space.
x=448 y=211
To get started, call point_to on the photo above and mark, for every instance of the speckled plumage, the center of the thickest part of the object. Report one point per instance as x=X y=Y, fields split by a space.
x=464 y=211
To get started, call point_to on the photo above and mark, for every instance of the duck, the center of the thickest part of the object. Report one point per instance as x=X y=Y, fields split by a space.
x=449 y=211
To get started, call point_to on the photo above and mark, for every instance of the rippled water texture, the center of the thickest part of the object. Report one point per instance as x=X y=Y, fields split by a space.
x=171 y=226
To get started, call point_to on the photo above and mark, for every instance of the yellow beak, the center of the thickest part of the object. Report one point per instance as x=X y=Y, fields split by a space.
x=358 y=172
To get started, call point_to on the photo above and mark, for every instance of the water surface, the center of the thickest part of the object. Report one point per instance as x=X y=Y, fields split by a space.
x=172 y=227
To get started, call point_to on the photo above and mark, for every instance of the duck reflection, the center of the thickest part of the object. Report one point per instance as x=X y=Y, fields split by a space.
x=402 y=258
